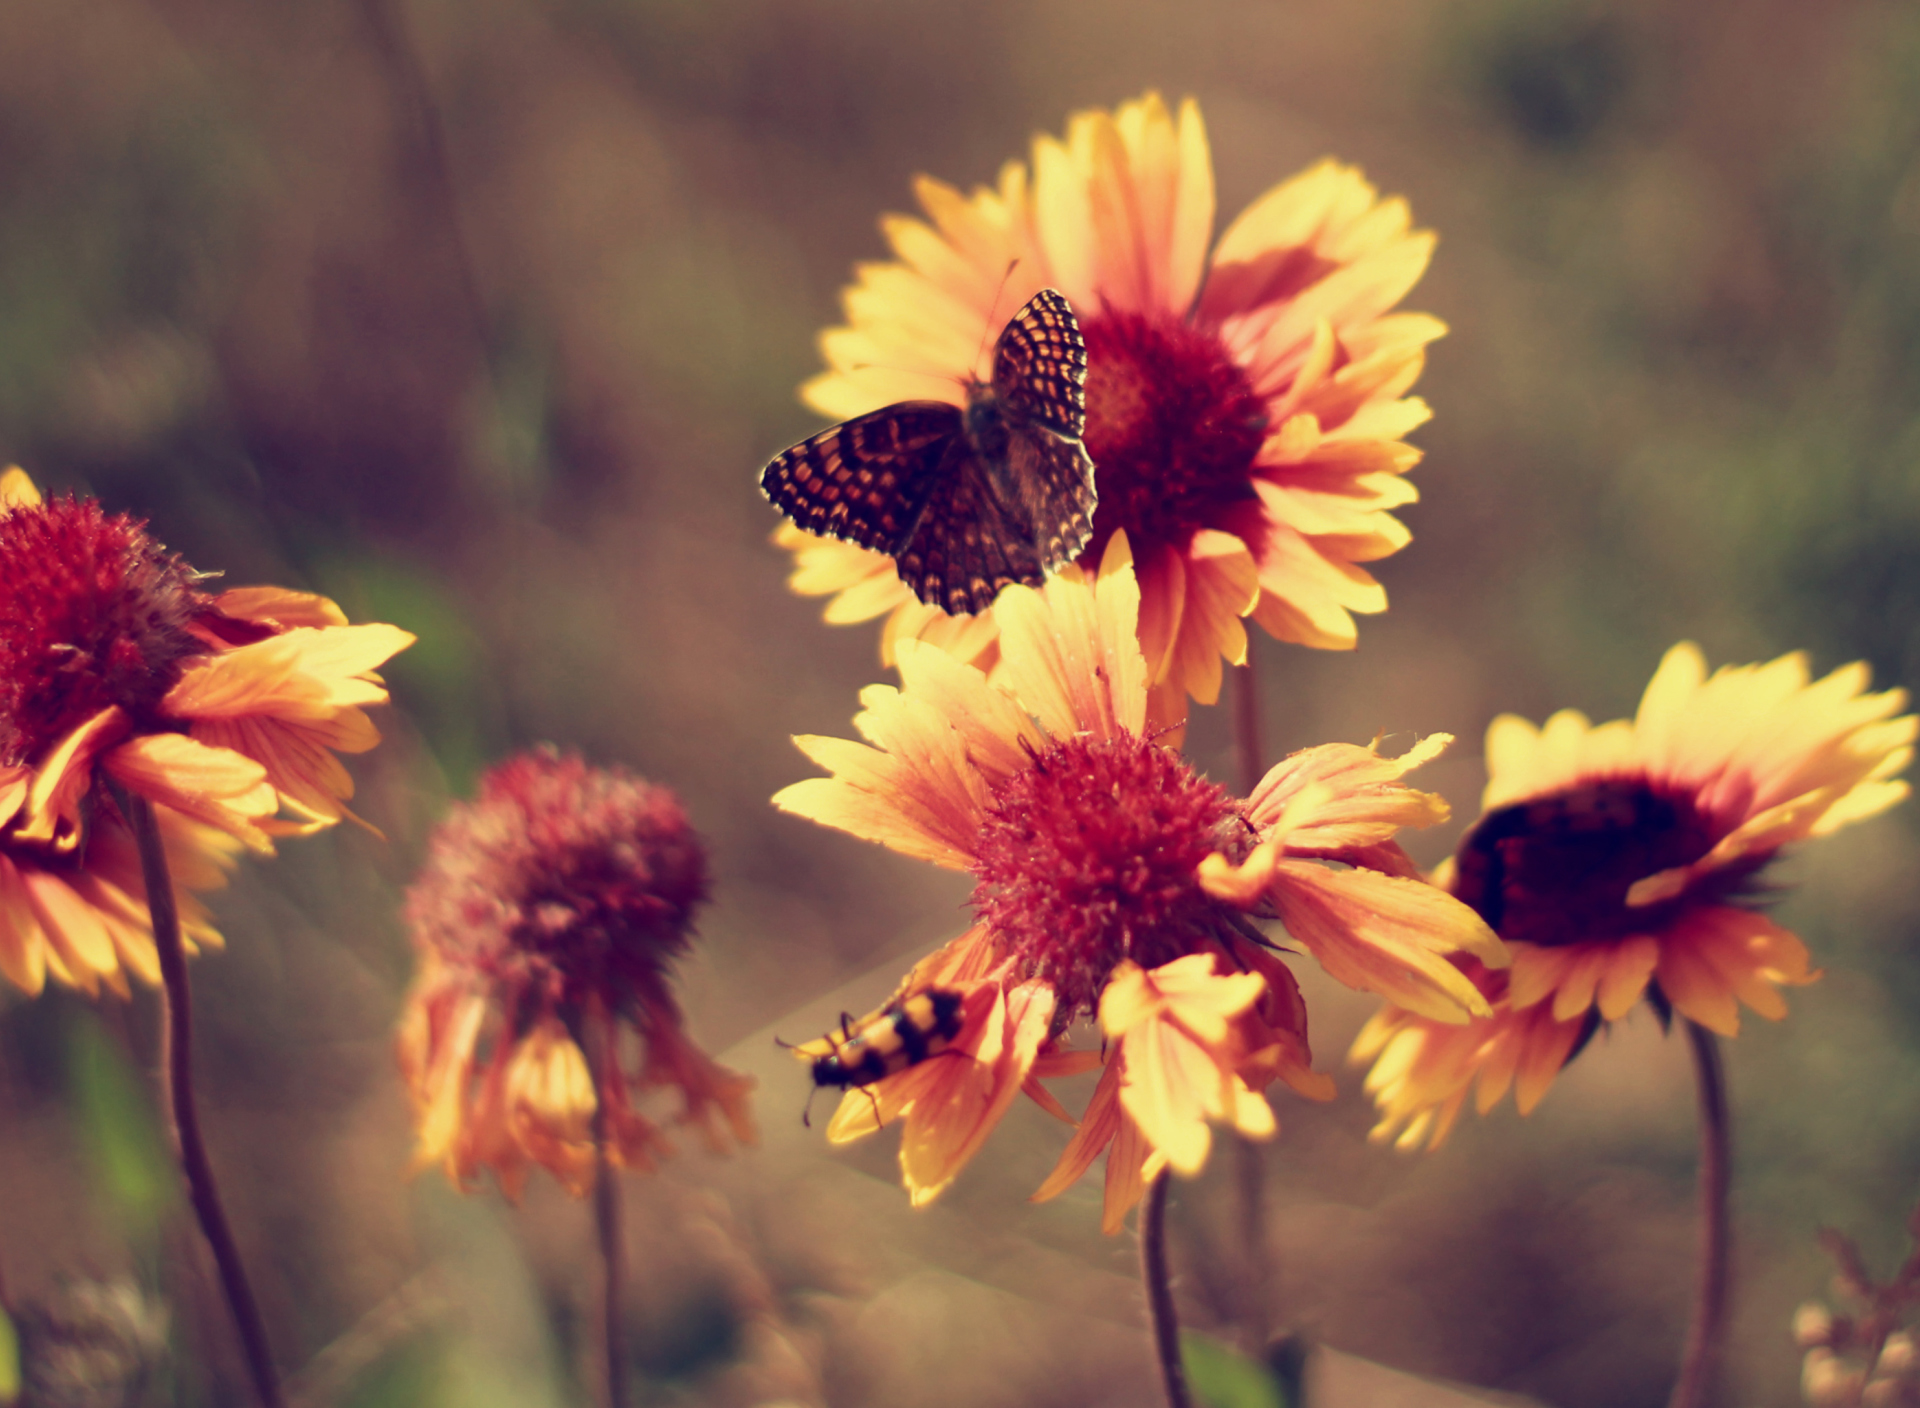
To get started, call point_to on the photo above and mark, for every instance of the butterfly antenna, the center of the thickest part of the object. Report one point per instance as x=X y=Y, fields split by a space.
x=993 y=308
x=904 y=371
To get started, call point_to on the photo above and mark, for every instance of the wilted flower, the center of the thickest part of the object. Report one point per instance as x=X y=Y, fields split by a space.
x=546 y=919
x=117 y=670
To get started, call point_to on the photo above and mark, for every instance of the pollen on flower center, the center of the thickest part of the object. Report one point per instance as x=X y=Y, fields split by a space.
x=1088 y=857
x=93 y=612
x=1172 y=426
x=1557 y=869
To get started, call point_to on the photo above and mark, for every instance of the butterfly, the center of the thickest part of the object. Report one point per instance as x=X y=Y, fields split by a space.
x=963 y=501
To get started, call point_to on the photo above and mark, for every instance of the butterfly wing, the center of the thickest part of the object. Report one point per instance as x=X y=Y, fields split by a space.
x=964 y=503
x=867 y=480
x=1048 y=482
x=1040 y=366
x=965 y=548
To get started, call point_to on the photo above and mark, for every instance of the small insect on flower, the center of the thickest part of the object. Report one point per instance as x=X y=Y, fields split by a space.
x=904 y=1033
x=965 y=500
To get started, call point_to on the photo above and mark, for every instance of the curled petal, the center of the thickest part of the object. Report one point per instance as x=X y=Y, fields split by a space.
x=1362 y=801
x=1388 y=936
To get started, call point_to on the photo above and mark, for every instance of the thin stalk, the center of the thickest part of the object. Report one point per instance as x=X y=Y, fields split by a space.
x=1153 y=1273
x=1246 y=723
x=606 y=1215
x=427 y=160
x=183 y=1114
x=1706 y=1336
x=1250 y=1165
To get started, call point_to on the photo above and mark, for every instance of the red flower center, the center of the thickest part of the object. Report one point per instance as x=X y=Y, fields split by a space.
x=1556 y=870
x=1088 y=857
x=562 y=881
x=93 y=612
x=1172 y=425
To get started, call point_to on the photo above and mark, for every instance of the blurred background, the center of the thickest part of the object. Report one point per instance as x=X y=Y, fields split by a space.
x=482 y=317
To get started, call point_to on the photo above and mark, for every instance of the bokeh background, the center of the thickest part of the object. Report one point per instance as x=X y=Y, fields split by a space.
x=482 y=316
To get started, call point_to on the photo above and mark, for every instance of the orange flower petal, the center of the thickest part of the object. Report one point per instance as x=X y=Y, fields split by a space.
x=212 y=785
x=1386 y=935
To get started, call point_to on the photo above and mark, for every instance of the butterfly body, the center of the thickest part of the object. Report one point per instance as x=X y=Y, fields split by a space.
x=964 y=499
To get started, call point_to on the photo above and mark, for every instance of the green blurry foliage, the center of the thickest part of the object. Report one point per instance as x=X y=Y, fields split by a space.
x=9 y=1359
x=1222 y=1378
x=412 y=1376
x=114 y=1111
x=444 y=680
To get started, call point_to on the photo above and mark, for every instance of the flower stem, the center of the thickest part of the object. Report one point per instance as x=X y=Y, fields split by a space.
x=606 y=1216
x=1153 y=1272
x=1250 y=1165
x=183 y=1114
x=1246 y=722
x=1707 y=1335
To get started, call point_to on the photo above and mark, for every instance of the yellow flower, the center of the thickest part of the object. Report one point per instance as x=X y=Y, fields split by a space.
x=1245 y=408
x=1626 y=859
x=545 y=919
x=1115 y=881
x=222 y=710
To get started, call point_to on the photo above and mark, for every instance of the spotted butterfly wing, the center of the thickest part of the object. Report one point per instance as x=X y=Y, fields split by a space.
x=964 y=501
x=1040 y=366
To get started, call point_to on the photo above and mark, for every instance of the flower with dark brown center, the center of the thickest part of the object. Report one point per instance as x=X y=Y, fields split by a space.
x=547 y=918
x=1627 y=859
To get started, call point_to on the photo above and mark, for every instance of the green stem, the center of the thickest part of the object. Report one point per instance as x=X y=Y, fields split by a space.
x=183 y=1114
x=1706 y=1336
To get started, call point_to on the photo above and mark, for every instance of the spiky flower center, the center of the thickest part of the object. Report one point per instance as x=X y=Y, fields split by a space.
x=93 y=612
x=1556 y=870
x=1088 y=857
x=1172 y=425
x=562 y=882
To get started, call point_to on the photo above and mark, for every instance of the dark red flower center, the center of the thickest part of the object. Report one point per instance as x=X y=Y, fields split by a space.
x=1088 y=857
x=562 y=882
x=1557 y=869
x=93 y=612
x=1172 y=425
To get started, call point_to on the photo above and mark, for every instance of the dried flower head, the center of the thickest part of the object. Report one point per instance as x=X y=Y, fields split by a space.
x=1246 y=405
x=546 y=920
x=1116 y=884
x=117 y=669
x=1627 y=859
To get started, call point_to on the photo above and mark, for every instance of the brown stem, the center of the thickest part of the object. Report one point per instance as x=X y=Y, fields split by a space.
x=1250 y=1183
x=1706 y=1337
x=1250 y=1170
x=1153 y=1273
x=183 y=1114
x=1246 y=722
x=425 y=156
x=606 y=1212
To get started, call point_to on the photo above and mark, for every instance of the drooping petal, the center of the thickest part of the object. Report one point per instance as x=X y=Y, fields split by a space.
x=214 y=785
